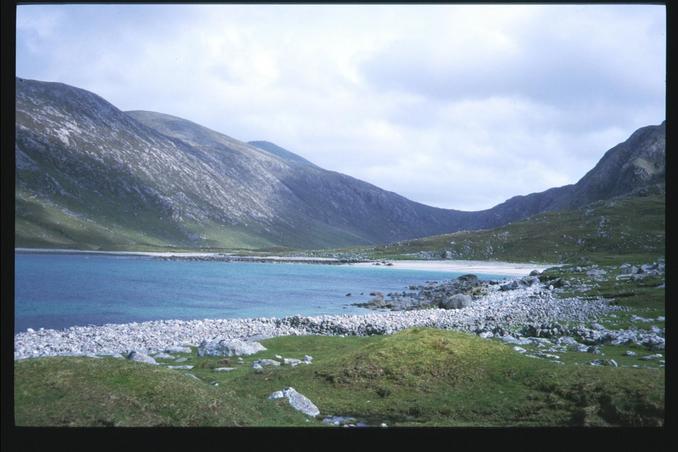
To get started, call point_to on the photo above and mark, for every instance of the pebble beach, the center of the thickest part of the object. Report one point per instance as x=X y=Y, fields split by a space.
x=496 y=314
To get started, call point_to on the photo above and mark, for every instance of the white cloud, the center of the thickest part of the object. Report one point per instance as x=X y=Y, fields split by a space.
x=456 y=106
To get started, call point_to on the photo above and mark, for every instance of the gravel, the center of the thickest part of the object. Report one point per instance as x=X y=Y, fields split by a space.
x=503 y=313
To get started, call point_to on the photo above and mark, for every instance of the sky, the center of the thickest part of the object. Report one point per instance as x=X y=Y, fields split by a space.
x=455 y=106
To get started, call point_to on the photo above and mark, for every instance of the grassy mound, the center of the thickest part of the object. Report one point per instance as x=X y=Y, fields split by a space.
x=422 y=377
x=76 y=392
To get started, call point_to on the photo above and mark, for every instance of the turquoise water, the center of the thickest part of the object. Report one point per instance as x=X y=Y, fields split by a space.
x=63 y=290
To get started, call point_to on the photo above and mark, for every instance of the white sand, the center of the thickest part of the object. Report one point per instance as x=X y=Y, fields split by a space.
x=480 y=267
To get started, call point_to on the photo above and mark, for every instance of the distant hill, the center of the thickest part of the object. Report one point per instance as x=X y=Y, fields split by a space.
x=91 y=176
x=631 y=227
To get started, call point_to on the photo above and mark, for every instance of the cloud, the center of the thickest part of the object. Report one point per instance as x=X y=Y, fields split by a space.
x=456 y=106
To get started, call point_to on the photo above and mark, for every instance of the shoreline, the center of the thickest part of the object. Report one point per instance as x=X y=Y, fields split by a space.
x=456 y=266
x=497 y=313
x=446 y=266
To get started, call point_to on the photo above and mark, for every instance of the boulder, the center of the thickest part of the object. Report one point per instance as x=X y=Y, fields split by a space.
x=513 y=285
x=141 y=357
x=469 y=280
x=535 y=273
x=529 y=281
x=298 y=401
x=229 y=347
x=291 y=362
x=457 y=301
x=630 y=270
x=265 y=362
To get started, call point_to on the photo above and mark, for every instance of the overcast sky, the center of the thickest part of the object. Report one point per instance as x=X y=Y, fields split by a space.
x=456 y=106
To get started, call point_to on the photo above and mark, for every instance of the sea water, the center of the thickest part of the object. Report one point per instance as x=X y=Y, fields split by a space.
x=62 y=290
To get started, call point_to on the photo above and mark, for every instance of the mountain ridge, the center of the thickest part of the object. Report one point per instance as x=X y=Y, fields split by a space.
x=89 y=174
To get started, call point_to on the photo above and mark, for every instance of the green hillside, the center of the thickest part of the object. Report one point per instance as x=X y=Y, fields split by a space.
x=629 y=229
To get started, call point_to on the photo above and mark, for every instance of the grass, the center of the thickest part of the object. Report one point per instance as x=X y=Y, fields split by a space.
x=418 y=377
x=605 y=232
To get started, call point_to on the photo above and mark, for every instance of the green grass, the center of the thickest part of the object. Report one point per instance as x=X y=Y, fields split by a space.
x=605 y=232
x=418 y=377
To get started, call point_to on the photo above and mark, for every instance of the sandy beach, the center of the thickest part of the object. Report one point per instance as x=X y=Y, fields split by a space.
x=477 y=267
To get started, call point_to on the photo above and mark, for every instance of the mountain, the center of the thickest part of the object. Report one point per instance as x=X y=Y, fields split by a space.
x=280 y=152
x=630 y=227
x=637 y=163
x=91 y=176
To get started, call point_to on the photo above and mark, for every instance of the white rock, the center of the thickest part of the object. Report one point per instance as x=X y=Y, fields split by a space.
x=229 y=347
x=141 y=357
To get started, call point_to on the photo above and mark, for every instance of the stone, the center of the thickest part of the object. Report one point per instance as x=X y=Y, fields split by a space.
x=300 y=402
x=180 y=367
x=278 y=357
x=266 y=362
x=291 y=362
x=163 y=356
x=651 y=357
x=276 y=395
x=629 y=353
x=457 y=301
x=596 y=273
x=486 y=334
x=257 y=367
x=648 y=267
x=628 y=270
x=513 y=285
x=223 y=369
x=519 y=349
x=178 y=349
x=181 y=360
x=529 y=281
x=567 y=340
x=229 y=347
x=512 y=340
x=141 y=357
x=469 y=280
x=535 y=273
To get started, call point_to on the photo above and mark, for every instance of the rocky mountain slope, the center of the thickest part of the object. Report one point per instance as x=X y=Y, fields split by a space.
x=91 y=176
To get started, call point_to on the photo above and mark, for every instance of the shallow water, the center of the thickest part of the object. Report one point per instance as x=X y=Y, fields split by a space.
x=63 y=290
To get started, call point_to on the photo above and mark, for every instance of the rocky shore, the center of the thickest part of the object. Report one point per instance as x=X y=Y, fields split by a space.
x=510 y=314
